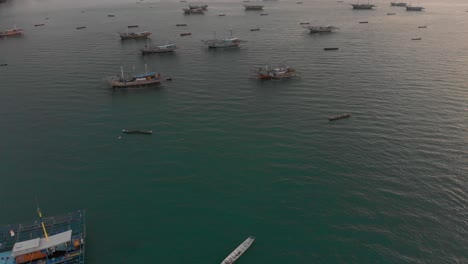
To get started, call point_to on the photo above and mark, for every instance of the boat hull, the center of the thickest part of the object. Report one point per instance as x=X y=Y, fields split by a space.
x=135 y=84
x=239 y=251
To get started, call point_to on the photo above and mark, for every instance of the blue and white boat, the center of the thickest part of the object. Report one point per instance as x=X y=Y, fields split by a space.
x=48 y=240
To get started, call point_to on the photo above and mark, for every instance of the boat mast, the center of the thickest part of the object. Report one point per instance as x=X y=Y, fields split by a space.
x=42 y=222
x=121 y=71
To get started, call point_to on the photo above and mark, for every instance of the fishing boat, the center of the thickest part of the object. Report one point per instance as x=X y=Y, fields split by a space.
x=231 y=258
x=189 y=11
x=416 y=38
x=338 y=117
x=80 y=27
x=422 y=27
x=264 y=14
x=11 y=32
x=255 y=29
x=148 y=49
x=276 y=73
x=39 y=25
x=132 y=26
x=141 y=132
x=363 y=6
x=414 y=8
x=391 y=14
x=230 y=42
x=304 y=23
x=321 y=29
x=202 y=7
x=49 y=240
x=136 y=81
x=185 y=34
x=181 y=25
x=330 y=48
x=253 y=7
x=398 y=4
x=138 y=35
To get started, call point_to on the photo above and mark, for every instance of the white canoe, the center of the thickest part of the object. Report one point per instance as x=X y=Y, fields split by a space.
x=239 y=251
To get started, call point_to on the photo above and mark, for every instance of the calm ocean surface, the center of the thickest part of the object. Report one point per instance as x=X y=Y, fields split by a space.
x=231 y=156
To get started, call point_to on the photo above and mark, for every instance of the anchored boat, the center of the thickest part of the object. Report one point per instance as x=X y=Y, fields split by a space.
x=239 y=251
x=148 y=49
x=189 y=11
x=276 y=73
x=202 y=7
x=142 y=132
x=11 y=32
x=363 y=6
x=223 y=43
x=321 y=29
x=48 y=240
x=398 y=4
x=253 y=7
x=136 y=81
x=338 y=117
x=138 y=35
x=414 y=8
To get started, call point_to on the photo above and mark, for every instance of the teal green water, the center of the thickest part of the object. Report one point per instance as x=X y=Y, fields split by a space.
x=230 y=156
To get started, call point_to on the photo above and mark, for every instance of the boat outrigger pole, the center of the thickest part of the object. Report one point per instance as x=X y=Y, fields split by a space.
x=42 y=222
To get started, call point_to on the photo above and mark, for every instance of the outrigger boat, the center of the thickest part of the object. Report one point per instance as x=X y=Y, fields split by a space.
x=321 y=29
x=148 y=49
x=276 y=73
x=363 y=6
x=239 y=251
x=189 y=11
x=253 y=7
x=48 y=240
x=11 y=32
x=398 y=4
x=138 y=35
x=142 y=80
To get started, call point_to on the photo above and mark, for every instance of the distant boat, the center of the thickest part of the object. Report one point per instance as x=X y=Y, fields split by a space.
x=141 y=132
x=185 y=34
x=254 y=29
x=189 y=11
x=4 y=64
x=363 y=6
x=422 y=27
x=223 y=43
x=111 y=15
x=54 y=239
x=416 y=38
x=398 y=4
x=304 y=23
x=202 y=7
x=80 y=27
x=39 y=25
x=181 y=25
x=391 y=14
x=231 y=258
x=363 y=22
x=11 y=32
x=253 y=7
x=275 y=73
x=222 y=15
x=414 y=8
x=133 y=26
x=321 y=29
x=148 y=49
x=136 y=81
x=138 y=35
x=330 y=48
x=264 y=14
x=338 y=117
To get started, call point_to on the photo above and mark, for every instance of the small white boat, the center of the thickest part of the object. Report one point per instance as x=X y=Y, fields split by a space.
x=239 y=251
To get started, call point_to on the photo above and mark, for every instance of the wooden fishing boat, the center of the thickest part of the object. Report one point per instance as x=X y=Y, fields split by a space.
x=391 y=14
x=398 y=4
x=39 y=25
x=363 y=6
x=330 y=48
x=185 y=34
x=51 y=240
x=11 y=32
x=141 y=132
x=338 y=117
x=264 y=14
x=202 y=7
x=181 y=25
x=253 y=7
x=416 y=38
x=414 y=8
x=230 y=42
x=321 y=29
x=422 y=27
x=148 y=49
x=80 y=27
x=138 y=35
x=189 y=11
x=254 y=29
x=231 y=258
x=132 y=26
x=275 y=73
x=136 y=81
